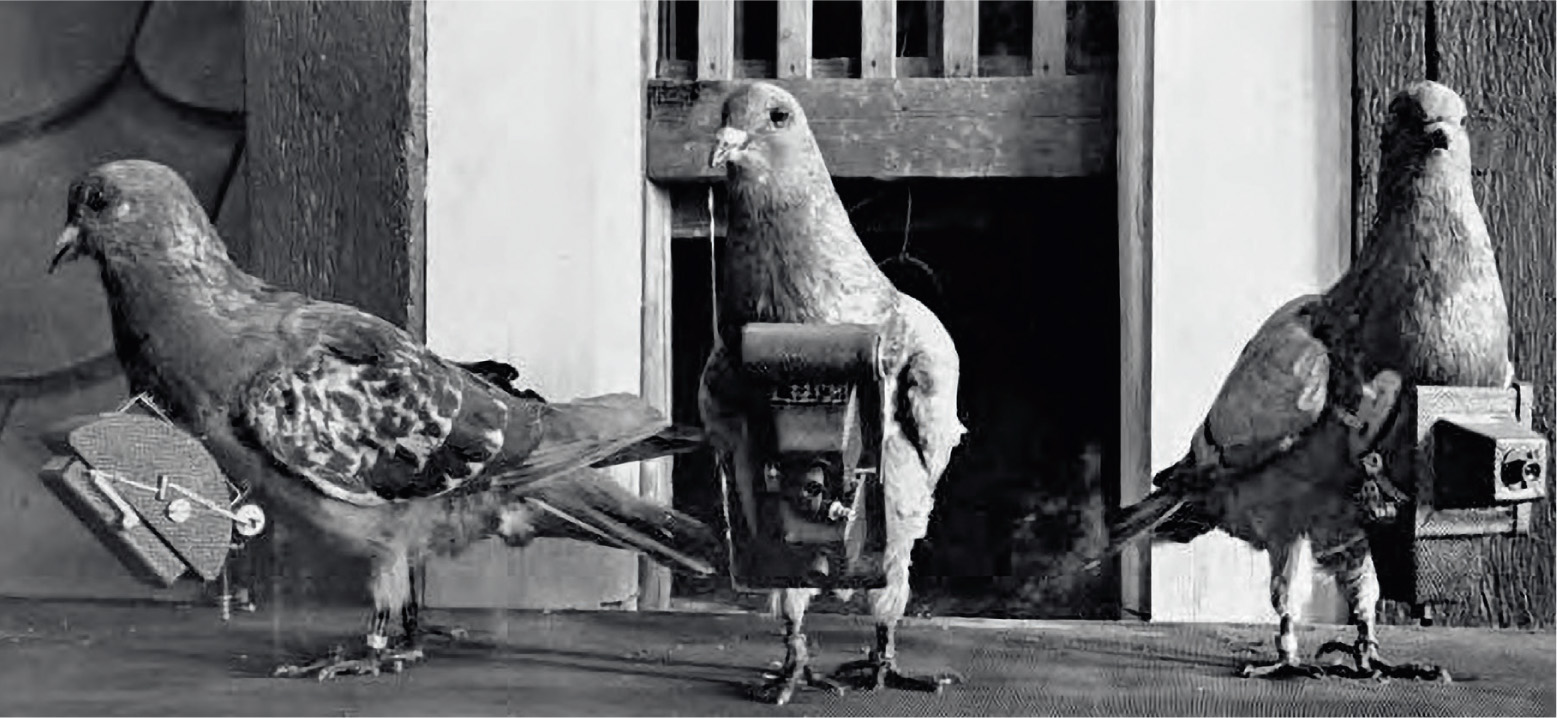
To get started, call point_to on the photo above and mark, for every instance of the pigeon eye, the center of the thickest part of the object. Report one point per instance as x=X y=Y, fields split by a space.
x=778 y=116
x=95 y=200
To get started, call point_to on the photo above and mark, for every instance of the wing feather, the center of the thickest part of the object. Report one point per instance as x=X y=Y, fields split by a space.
x=366 y=414
x=1276 y=392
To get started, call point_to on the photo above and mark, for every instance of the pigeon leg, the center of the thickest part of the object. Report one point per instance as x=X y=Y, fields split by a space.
x=1354 y=572
x=1283 y=564
x=796 y=672
x=411 y=618
x=378 y=657
x=880 y=669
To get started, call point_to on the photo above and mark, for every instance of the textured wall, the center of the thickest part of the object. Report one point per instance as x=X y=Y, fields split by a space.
x=86 y=83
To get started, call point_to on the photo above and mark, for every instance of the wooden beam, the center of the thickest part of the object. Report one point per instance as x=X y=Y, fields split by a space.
x=794 y=41
x=654 y=378
x=715 y=39
x=1134 y=170
x=334 y=173
x=959 y=38
x=917 y=127
x=1048 y=38
x=878 y=38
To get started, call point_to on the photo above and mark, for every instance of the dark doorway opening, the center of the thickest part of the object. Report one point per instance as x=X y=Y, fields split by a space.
x=1024 y=273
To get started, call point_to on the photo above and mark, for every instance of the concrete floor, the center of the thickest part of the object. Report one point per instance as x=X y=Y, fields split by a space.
x=64 y=658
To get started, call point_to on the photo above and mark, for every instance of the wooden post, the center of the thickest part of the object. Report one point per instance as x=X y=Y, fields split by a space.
x=1048 y=38
x=794 y=41
x=1136 y=24
x=960 y=38
x=715 y=39
x=655 y=478
x=878 y=38
x=336 y=147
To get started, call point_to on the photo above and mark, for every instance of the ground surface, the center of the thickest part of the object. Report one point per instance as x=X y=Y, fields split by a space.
x=93 y=659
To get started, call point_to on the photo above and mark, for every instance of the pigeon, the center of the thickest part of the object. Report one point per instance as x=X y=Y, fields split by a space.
x=792 y=256
x=1294 y=443
x=343 y=421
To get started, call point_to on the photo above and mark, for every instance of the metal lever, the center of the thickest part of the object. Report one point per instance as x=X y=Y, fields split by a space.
x=129 y=519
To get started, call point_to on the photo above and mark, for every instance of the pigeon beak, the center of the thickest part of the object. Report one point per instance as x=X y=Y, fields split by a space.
x=1438 y=135
x=728 y=144
x=66 y=248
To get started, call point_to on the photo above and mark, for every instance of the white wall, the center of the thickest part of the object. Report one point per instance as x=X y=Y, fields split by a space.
x=534 y=245
x=1251 y=207
x=534 y=240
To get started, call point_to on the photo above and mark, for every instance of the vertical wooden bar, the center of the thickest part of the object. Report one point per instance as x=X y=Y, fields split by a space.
x=1049 y=38
x=655 y=477
x=960 y=38
x=932 y=30
x=794 y=41
x=341 y=215
x=715 y=39
x=660 y=24
x=1134 y=170
x=739 y=40
x=878 y=38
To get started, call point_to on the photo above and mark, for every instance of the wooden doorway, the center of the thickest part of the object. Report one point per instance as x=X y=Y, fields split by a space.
x=985 y=135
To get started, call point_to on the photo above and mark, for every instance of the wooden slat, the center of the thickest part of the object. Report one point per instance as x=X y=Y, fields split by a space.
x=654 y=477
x=878 y=38
x=915 y=127
x=834 y=68
x=661 y=23
x=1136 y=27
x=794 y=41
x=959 y=38
x=932 y=13
x=1048 y=38
x=715 y=39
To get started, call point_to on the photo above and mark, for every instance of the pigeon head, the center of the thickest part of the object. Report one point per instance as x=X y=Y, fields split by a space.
x=762 y=131
x=1426 y=127
x=133 y=211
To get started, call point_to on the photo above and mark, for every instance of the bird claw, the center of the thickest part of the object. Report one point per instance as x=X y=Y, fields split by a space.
x=1368 y=665
x=874 y=674
x=781 y=686
x=337 y=664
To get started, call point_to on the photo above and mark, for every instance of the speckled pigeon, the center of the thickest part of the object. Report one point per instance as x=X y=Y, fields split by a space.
x=344 y=421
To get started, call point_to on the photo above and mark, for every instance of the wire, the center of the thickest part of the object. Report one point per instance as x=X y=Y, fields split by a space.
x=713 y=268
